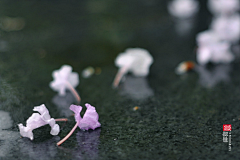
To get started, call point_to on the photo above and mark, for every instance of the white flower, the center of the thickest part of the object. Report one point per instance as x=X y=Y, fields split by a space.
x=134 y=60
x=207 y=37
x=183 y=8
x=37 y=120
x=212 y=49
x=64 y=79
x=223 y=6
x=227 y=27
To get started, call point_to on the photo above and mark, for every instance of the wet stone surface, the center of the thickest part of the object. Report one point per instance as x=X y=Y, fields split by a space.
x=178 y=117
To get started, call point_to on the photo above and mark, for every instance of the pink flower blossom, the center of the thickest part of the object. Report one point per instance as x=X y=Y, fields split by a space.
x=38 y=120
x=64 y=79
x=89 y=120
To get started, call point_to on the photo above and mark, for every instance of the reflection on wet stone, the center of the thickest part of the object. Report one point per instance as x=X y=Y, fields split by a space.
x=88 y=142
x=184 y=27
x=40 y=151
x=5 y=120
x=3 y=46
x=7 y=138
x=63 y=103
x=210 y=77
x=136 y=88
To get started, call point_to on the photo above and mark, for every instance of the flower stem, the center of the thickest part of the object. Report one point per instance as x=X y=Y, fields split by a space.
x=61 y=119
x=74 y=92
x=119 y=76
x=68 y=135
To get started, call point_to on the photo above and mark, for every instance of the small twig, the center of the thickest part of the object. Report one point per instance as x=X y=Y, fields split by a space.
x=61 y=119
x=74 y=92
x=119 y=76
x=68 y=135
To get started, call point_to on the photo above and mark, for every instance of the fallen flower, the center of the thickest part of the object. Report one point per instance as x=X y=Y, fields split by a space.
x=38 y=120
x=89 y=120
x=183 y=8
x=64 y=79
x=227 y=27
x=212 y=49
x=223 y=7
x=135 y=60
x=207 y=37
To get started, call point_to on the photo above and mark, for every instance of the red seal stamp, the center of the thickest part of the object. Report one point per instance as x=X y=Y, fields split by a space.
x=227 y=127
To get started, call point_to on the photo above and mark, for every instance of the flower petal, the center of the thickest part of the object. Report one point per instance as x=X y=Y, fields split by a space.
x=76 y=109
x=25 y=131
x=55 y=130
x=90 y=119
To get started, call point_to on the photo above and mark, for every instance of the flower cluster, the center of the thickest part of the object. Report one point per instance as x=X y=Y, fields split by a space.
x=89 y=121
x=134 y=60
x=64 y=79
x=212 y=49
x=214 y=45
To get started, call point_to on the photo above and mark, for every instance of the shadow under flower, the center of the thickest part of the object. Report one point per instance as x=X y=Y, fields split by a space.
x=63 y=103
x=136 y=88
x=211 y=77
x=184 y=27
x=87 y=145
x=40 y=151
x=88 y=142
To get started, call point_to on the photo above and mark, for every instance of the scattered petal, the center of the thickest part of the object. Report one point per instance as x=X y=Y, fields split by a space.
x=134 y=60
x=212 y=49
x=227 y=27
x=38 y=120
x=89 y=120
x=64 y=79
